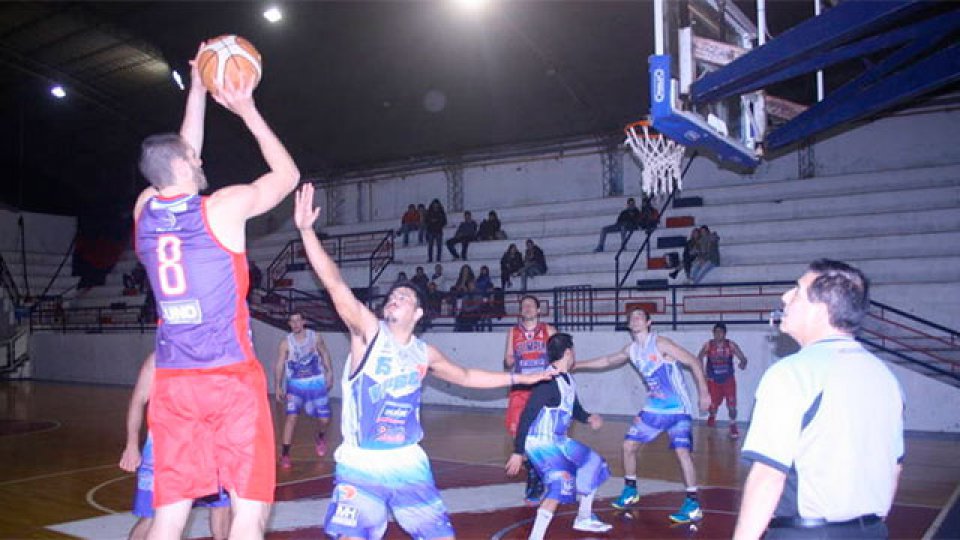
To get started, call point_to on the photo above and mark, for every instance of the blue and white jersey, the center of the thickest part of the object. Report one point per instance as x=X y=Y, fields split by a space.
x=303 y=361
x=553 y=422
x=666 y=391
x=381 y=401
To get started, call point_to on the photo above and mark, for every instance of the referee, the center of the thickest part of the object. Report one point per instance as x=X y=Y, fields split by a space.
x=826 y=439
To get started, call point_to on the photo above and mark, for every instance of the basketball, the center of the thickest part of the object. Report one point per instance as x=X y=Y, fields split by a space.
x=228 y=58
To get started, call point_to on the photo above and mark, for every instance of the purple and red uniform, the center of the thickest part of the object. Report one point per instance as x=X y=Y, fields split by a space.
x=529 y=356
x=720 y=374
x=208 y=412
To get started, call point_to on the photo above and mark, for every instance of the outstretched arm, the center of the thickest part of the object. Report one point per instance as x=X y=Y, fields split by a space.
x=193 y=116
x=444 y=369
x=605 y=361
x=361 y=322
x=130 y=459
x=684 y=356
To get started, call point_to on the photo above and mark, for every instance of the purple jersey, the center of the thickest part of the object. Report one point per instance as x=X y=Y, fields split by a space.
x=200 y=286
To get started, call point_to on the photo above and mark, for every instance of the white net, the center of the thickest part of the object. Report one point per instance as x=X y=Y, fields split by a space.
x=660 y=156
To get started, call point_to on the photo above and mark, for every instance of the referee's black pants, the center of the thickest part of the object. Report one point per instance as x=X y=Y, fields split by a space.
x=852 y=530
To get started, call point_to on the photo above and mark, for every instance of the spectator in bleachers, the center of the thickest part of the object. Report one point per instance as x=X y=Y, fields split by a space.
x=689 y=254
x=484 y=282
x=256 y=276
x=649 y=216
x=434 y=301
x=420 y=278
x=466 y=233
x=708 y=255
x=534 y=263
x=490 y=228
x=442 y=281
x=473 y=309
x=422 y=225
x=409 y=222
x=139 y=275
x=402 y=278
x=510 y=264
x=466 y=274
x=436 y=220
x=627 y=221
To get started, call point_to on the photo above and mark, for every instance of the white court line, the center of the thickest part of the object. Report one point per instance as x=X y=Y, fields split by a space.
x=56 y=474
x=56 y=425
x=94 y=489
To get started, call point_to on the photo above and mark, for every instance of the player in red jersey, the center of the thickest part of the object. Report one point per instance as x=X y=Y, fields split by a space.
x=718 y=354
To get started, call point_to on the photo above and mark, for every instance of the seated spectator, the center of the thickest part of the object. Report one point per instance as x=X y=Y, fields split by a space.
x=534 y=263
x=466 y=233
x=473 y=309
x=627 y=221
x=442 y=282
x=409 y=222
x=490 y=228
x=689 y=254
x=402 y=278
x=422 y=225
x=649 y=216
x=510 y=264
x=708 y=255
x=139 y=275
x=434 y=222
x=420 y=278
x=484 y=283
x=466 y=274
x=434 y=302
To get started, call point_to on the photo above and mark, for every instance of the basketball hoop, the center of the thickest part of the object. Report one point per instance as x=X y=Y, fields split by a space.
x=660 y=156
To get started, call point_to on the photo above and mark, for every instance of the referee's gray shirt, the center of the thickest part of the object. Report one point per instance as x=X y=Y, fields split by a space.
x=831 y=418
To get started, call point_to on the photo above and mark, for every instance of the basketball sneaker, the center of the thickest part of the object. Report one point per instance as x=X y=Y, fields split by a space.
x=285 y=462
x=689 y=511
x=734 y=431
x=591 y=524
x=534 y=492
x=628 y=497
x=321 y=445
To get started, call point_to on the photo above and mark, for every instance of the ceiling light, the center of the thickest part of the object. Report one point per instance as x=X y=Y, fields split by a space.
x=58 y=92
x=177 y=79
x=273 y=14
x=471 y=5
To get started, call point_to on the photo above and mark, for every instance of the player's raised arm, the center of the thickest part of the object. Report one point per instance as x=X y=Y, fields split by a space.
x=605 y=361
x=130 y=459
x=360 y=321
x=443 y=368
x=683 y=356
x=193 y=117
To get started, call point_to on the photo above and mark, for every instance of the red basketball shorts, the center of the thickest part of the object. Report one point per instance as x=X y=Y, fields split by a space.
x=727 y=390
x=516 y=402
x=212 y=428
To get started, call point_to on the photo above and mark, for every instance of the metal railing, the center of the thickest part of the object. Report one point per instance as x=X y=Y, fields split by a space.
x=934 y=347
x=8 y=283
x=14 y=352
x=376 y=248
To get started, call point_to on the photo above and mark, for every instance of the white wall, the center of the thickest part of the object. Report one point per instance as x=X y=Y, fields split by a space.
x=43 y=233
x=115 y=359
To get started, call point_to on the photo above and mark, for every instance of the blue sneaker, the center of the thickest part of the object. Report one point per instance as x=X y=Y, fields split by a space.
x=533 y=494
x=689 y=511
x=628 y=497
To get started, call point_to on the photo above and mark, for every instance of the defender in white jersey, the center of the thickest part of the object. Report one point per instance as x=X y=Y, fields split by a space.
x=668 y=407
x=303 y=379
x=380 y=465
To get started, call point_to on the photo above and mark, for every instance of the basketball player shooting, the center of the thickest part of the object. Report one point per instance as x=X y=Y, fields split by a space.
x=208 y=414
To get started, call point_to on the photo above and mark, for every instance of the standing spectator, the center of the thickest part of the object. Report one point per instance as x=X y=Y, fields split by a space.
x=708 y=254
x=422 y=224
x=436 y=220
x=466 y=233
x=649 y=216
x=490 y=228
x=420 y=278
x=534 y=263
x=627 y=221
x=409 y=222
x=510 y=263
x=826 y=437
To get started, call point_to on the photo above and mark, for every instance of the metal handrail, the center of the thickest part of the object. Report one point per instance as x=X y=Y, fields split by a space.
x=337 y=247
x=386 y=243
x=9 y=283
x=63 y=261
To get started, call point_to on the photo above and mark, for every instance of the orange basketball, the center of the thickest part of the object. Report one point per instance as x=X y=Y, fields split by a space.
x=228 y=58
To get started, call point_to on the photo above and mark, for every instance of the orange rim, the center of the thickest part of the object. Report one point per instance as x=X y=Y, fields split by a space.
x=639 y=132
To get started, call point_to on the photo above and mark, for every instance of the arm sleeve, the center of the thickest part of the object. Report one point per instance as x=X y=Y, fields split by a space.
x=777 y=418
x=579 y=414
x=544 y=394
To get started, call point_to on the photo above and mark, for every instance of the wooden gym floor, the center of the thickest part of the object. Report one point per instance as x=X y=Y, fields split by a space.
x=60 y=443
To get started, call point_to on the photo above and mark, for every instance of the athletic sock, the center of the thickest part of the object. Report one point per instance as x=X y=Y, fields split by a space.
x=285 y=450
x=540 y=525
x=630 y=481
x=692 y=493
x=586 y=506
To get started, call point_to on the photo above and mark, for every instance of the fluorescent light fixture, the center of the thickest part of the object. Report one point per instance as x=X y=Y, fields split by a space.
x=58 y=92
x=177 y=79
x=472 y=5
x=273 y=14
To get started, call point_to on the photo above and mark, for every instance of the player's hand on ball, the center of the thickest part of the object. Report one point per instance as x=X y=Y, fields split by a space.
x=130 y=459
x=236 y=96
x=304 y=214
x=514 y=464
x=595 y=421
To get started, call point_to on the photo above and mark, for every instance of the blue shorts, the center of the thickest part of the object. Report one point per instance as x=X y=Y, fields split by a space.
x=371 y=483
x=308 y=396
x=568 y=467
x=647 y=426
x=143 y=497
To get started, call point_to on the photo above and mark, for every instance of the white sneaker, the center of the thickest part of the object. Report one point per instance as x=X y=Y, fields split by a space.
x=591 y=524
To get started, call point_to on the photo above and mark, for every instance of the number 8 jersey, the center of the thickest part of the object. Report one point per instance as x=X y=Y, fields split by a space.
x=200 y=286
